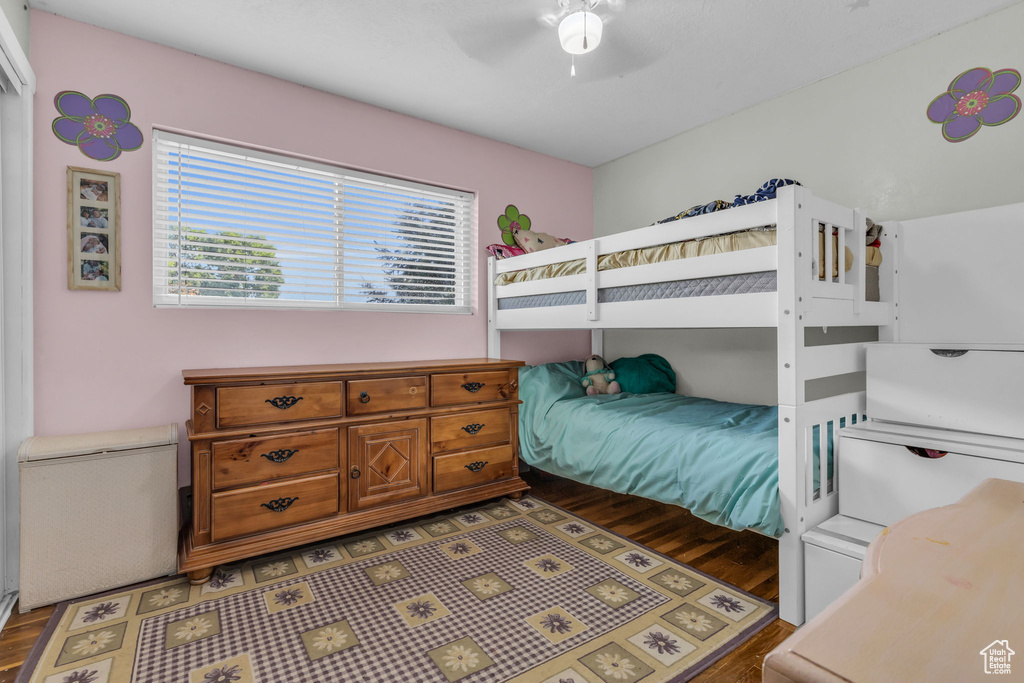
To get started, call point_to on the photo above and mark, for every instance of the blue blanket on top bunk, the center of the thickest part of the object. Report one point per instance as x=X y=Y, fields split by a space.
x=719 y=460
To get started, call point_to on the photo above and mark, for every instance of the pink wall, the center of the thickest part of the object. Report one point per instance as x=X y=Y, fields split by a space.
x=109 y=360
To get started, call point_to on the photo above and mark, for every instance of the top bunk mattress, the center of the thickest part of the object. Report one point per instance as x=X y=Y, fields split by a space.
x=715 y=244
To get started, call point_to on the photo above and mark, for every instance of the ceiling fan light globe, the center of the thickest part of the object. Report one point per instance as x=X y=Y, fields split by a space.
x=579 y=29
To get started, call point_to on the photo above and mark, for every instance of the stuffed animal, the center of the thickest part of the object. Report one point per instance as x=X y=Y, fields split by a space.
x=599 y=378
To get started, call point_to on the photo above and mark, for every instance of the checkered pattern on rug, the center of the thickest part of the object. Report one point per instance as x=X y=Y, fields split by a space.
x=389 y=649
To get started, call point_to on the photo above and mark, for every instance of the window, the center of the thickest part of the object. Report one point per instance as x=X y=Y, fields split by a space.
x=237 y=228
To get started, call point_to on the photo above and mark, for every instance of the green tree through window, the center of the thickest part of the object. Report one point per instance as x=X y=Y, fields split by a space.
x=240 y=265
x=418 y=276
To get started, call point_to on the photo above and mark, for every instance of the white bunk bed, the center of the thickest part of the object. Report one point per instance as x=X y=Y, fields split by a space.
x=803 y=299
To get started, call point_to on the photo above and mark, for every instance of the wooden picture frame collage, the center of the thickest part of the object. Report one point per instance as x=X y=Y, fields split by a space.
x=94 y=229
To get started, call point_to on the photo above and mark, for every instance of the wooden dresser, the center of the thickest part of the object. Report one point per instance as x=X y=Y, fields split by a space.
x=283 y=456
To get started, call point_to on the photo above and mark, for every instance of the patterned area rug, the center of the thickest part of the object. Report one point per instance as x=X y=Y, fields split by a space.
x=509 y=591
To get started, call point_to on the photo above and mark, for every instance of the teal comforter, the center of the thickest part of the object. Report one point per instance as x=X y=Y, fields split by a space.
x=719 y=460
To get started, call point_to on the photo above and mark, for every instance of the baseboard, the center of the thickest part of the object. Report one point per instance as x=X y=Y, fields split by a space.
x=7 y=607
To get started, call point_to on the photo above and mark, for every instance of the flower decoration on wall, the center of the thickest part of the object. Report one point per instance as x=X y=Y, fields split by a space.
x=977 y=97
x=510 y=221
x=99 y=127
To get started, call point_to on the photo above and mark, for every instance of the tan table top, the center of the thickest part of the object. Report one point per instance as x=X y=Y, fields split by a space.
x=936 y=589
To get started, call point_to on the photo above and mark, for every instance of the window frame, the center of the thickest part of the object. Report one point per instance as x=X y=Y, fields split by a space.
x=464 y=260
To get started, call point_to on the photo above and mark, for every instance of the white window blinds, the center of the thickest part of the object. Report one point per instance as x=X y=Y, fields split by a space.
x=238 y=228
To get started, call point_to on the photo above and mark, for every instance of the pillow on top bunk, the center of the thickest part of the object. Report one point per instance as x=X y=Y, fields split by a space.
x=646 y=374
x=502 y=251
x=531 y=240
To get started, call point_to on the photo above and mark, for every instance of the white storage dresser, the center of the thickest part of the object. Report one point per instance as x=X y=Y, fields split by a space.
x=885 y=474
x=976 y=388
x=98 y=511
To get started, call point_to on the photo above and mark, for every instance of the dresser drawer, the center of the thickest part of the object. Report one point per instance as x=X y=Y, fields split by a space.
x=470 y=430
x=247 y=461
x=385 y=395
x=885 y=482
x=470 y=387
x=271 y=506
x=240 y=406
x=459 y=470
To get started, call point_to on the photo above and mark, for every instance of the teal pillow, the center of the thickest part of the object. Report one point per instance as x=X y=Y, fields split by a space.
x=551 y=381
x=646 y=374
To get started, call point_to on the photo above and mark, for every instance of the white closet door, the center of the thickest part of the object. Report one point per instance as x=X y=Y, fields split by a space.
x=17 y=87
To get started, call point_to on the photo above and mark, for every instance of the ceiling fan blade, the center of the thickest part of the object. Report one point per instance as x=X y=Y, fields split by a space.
x=497 y=44
x=625 y=44
x=493 y=31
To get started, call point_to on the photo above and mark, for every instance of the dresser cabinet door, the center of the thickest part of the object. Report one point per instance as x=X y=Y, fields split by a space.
x=387 y=462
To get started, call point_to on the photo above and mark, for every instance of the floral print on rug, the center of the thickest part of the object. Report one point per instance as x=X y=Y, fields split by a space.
x=282 y=598
x=325 y=640
x=556 y=624
x=236 y=669
x=460 y=659
x=613 y=664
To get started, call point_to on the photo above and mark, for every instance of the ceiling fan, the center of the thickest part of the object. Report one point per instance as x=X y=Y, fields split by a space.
x=606 y=34
x=580 y=30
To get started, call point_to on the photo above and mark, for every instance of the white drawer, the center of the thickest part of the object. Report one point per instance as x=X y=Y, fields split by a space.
x=827 y=575
x=885 y=482
x=833 y=554
x=975 y=389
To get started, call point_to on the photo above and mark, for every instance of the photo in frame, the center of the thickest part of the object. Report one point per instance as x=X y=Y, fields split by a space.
x=94 y=229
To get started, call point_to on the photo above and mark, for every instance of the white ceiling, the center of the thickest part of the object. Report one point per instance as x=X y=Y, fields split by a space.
x=495 y=67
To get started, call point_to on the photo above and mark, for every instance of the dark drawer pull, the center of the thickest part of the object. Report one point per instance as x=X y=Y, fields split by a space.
x=473 y=387
x=364 y=397
x=473 y=428
x=279 y=505
x=926 y=452
x=475 y=466
x=949 y=353
x=279 y=455
x=356 y=473
x=283 y=402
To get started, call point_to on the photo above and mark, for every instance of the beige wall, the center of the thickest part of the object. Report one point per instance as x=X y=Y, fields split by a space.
x=17 y=13
x=860 y=138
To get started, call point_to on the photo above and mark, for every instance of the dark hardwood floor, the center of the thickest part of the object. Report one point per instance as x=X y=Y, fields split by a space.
x=18 y=637
x=745 y=559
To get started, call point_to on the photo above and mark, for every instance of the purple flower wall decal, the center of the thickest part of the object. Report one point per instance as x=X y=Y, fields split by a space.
x=99 y=127
x=977 y=97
